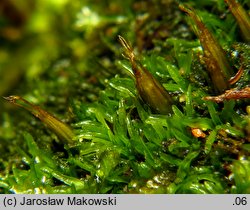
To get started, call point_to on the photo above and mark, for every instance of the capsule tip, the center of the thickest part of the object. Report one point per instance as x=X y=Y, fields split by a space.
x=128 y=49
x=11 y=99
x=124 y=43
x=186 y=8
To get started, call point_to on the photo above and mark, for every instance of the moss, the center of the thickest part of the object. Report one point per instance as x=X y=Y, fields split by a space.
x=74 y=69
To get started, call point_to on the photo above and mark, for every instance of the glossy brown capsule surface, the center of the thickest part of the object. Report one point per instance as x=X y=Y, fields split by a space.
x=62 y=130
x=241 y=17
x=214 y=56
x=149 y=89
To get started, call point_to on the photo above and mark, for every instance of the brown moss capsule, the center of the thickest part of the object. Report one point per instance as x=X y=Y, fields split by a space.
x=150 y=90
x=62 y=130
x=241 y=17
x=214 y=56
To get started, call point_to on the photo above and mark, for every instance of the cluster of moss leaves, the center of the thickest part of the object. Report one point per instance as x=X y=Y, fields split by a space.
x=120 y=145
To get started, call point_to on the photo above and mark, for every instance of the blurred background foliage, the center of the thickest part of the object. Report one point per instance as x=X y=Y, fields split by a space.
x=62 y=54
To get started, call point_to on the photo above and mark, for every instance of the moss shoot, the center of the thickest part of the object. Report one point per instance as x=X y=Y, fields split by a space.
x=180 y=125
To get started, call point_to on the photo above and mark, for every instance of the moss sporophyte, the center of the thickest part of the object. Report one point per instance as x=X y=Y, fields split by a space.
x=214 y=56
x=176 y=126
x=150 y=90
x=63 y=131
x=242 y=18
x=218 y=66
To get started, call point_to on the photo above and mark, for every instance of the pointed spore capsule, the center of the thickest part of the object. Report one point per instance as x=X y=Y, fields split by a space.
x=241 y=17
x=214 y=56
x=149 y=89
x=62 y=130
